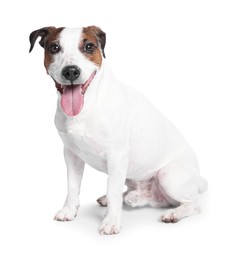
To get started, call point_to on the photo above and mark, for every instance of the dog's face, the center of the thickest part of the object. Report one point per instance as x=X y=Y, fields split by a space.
x=72 y=58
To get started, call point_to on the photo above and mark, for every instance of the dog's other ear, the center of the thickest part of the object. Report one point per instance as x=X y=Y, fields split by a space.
x=100 y=35
x=43 y=33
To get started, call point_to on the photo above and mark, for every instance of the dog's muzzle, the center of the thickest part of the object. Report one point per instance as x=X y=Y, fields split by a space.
x=72 y=95
x=71 y=73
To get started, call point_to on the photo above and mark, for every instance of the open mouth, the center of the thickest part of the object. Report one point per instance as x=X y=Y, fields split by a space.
x=72 y=96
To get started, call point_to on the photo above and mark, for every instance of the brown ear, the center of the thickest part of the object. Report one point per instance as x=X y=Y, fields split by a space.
x=43 y=33
x=100 y=35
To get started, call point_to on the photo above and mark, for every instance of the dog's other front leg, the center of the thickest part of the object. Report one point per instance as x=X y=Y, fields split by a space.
x=117 y=167
x=75 y=169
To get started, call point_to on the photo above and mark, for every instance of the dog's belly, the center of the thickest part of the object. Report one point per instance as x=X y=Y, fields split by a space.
x=86 y=149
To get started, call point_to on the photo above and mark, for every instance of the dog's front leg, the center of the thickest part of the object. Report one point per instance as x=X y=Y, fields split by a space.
x=117 y=167
x=75 y=169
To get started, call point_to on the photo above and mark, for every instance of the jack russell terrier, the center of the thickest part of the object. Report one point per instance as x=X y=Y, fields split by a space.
x=116 y=130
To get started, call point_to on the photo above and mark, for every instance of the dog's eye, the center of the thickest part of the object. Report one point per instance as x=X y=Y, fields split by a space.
x=89 y=47
x=54 y=48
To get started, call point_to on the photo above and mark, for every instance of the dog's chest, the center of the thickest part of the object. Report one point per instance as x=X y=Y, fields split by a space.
x=85 y=138
x=86 y=148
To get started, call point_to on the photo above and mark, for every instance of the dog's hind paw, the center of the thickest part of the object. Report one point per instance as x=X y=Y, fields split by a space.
x=170 y=216
x=132 y=198
x=102 y=201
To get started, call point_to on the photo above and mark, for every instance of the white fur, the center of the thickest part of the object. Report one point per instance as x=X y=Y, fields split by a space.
x=120 y=133
x=70 y=55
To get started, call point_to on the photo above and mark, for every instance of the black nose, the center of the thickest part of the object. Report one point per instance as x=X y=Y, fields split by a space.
x=71 y=73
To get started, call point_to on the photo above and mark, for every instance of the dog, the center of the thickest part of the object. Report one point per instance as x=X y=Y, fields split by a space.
x=116 y=130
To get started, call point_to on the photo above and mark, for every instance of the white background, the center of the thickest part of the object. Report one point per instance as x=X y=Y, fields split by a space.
x=186 y=57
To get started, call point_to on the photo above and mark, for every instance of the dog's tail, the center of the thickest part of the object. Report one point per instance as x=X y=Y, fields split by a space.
x=202 y=185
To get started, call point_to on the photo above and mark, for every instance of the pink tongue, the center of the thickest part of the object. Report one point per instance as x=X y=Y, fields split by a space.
x=72 y=100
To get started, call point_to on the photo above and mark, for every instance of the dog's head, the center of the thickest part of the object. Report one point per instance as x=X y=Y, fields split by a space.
x=72 y=58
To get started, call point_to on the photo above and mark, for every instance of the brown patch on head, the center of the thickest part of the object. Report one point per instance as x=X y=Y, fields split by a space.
x=49 y=35
x=96 y=38
x=52 y=38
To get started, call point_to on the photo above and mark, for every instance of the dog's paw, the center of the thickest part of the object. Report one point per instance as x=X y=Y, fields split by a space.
x=66 y=214
x=110 y=226
x=170 y=216
x=102 y=201
x=132 y=198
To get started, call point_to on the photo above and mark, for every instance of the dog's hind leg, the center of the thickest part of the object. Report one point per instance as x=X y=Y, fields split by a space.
x=141 y=193
x=138 y=194
x=180 y=184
